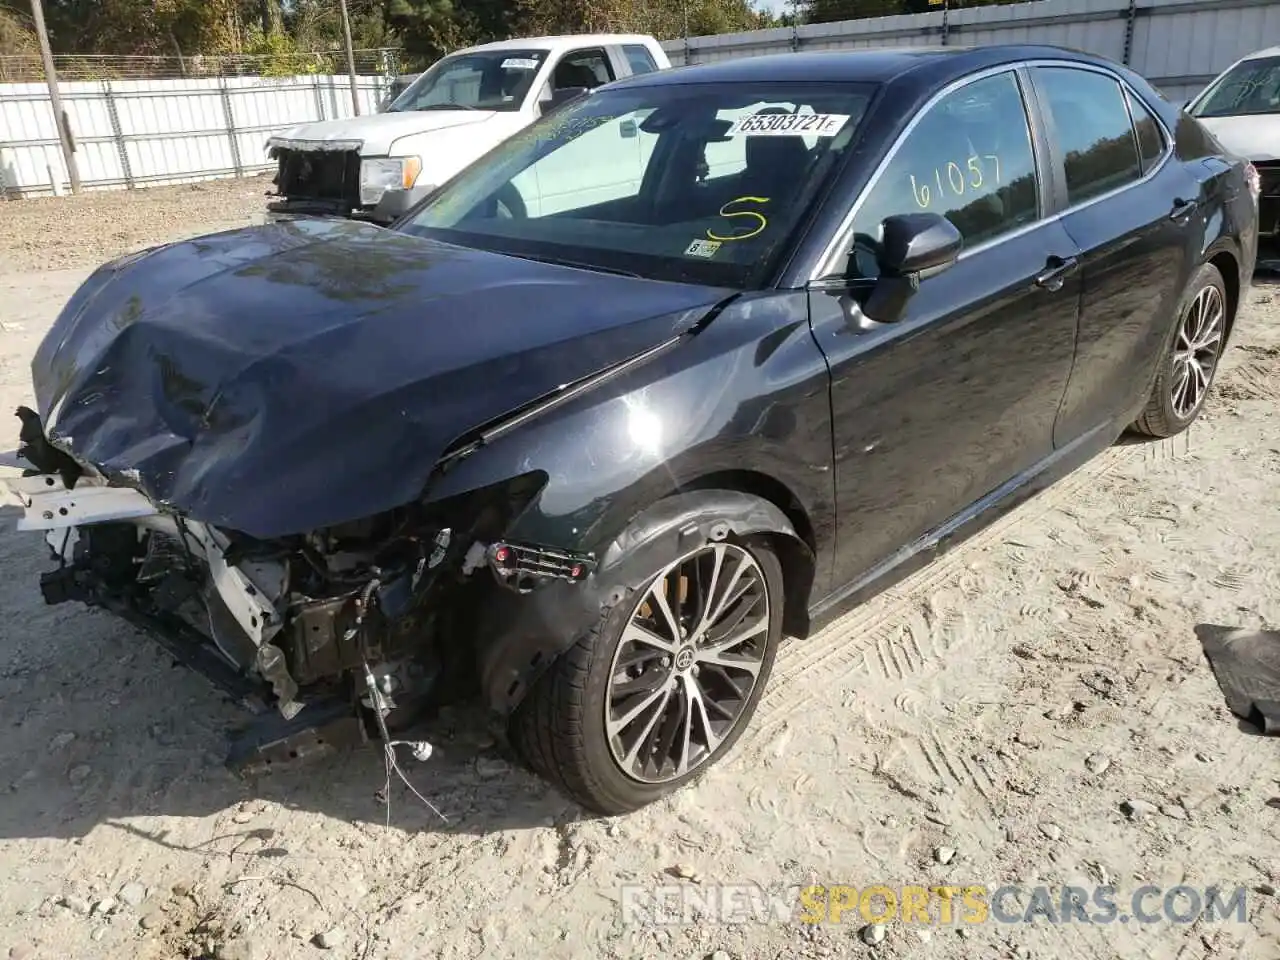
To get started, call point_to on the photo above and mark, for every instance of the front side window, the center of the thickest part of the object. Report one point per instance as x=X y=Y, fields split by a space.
x=485 y=80
x=969 y=158
x=694 y=183
x=1247 y=89
x=640 y=59
x=1093 y=130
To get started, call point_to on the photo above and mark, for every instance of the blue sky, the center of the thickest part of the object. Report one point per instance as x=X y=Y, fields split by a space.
x=774 y=6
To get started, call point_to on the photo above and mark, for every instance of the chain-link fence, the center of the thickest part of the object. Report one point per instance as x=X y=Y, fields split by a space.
x=27 y=68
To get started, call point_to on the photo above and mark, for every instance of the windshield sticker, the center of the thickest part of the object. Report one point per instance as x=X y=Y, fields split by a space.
x=519 y=63
x=788 y=125
x=758 y=220
x=702 y=248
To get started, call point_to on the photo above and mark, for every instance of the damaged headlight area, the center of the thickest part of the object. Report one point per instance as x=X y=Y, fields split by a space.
x=302 y=629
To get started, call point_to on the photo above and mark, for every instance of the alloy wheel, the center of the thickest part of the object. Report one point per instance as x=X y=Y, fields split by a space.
x=687 y=662
x=1195 y=354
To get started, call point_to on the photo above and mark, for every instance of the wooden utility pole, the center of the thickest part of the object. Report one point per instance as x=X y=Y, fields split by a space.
x=59 y=115
x=351 y=57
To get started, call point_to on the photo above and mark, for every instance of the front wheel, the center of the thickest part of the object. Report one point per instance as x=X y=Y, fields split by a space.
x=1191 y=358
x=664 y=684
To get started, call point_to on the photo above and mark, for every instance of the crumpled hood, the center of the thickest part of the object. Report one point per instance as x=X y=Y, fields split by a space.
x=1254 y=138
x=282 y=378
x=379 y=131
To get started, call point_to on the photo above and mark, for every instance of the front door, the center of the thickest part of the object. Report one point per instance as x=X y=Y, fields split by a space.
x=939 y=409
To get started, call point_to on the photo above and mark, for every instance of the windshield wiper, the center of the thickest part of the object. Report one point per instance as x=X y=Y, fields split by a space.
x=447 y=106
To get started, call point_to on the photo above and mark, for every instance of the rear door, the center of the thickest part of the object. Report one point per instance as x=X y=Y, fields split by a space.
x=932 y=413
x=1134 y=211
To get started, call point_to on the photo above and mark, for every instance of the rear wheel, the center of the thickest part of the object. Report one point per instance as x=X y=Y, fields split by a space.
x=1187 y=369
x=664 y=684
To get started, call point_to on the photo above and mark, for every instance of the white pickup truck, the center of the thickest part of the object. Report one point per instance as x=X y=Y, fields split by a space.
x=376 y=167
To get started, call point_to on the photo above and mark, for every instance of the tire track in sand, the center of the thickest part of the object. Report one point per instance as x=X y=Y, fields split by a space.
x=879 y=638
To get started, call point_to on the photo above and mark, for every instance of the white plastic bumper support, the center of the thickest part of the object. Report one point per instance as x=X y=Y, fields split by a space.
x=48 y=505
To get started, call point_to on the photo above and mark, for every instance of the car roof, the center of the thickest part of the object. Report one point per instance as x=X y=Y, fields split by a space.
x=1260 y=54
x=871 y=65
x=556 y=44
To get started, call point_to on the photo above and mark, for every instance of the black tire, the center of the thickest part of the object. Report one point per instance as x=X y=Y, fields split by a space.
x=1161 y=417
x=509 y=198
x=559 y=727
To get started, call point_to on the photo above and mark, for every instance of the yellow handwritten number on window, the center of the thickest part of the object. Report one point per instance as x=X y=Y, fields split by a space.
x=761 y=220
x=951 y=178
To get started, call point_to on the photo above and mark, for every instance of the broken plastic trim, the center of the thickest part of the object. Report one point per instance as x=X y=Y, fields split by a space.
x=485 y=435
x=522 y=567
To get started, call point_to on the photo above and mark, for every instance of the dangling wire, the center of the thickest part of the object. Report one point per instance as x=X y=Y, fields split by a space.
x=421 y=749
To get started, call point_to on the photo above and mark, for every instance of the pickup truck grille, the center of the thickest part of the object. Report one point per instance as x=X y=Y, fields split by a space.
x=331 y=176
x=1269 y=173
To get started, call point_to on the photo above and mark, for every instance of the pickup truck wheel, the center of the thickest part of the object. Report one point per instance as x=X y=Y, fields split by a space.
x=663 y=685
x=511 y=204
x=1190 y=359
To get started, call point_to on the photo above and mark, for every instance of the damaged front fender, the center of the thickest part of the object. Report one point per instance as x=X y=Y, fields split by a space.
x=518 y=637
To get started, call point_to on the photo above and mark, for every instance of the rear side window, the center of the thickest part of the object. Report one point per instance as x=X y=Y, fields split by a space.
x=640 y=59
x=582 y=68
x=1093 y=130
x=1150 y=137
x=969 y=158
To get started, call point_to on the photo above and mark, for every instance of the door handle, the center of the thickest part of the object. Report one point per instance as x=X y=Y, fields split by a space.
x=1183 y=209
x=1056 y=272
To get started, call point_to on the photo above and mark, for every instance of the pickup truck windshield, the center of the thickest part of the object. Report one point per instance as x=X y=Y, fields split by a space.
x=1247 y=89
x=486 y=80
x=697 y=183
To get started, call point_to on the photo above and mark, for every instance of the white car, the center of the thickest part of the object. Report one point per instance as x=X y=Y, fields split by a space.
x=1241 y=108
x=376 y=167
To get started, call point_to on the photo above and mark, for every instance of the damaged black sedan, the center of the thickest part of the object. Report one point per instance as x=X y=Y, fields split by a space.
x=698 y=360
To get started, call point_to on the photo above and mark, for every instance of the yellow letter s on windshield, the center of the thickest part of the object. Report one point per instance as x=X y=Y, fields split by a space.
x=762 y=220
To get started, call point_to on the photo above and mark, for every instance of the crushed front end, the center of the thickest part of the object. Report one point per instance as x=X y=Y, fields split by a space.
x=329 y=636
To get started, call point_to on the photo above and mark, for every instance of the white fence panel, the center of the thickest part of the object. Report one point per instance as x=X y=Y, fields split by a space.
x=1179 y=45
x=135 y=132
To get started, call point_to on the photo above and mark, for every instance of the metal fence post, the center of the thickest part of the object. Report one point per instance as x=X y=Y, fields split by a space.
x=117 y=133
x=1130 y=15
x=229 y=116
x=946 y=5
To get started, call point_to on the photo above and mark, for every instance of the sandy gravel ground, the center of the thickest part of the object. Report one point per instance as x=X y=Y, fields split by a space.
x=997 y=712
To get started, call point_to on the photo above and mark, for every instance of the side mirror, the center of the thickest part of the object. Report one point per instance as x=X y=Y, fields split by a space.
x=916 y=242
x=911 y=244
x=561 y=96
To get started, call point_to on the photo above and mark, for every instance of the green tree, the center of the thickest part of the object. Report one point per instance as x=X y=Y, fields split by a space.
x=17 y=35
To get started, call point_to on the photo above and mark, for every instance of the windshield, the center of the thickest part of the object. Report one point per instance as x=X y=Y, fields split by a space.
x=485 y=80
x=699 y=183
x=1252 y=87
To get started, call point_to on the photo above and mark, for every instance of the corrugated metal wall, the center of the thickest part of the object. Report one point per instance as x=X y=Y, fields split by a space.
x=1179 y=45
x=142 y=132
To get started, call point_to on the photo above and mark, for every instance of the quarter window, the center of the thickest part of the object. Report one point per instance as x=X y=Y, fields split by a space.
x=1150 y=139
x=1093 y=130
x=969 y=159
x=640 y=59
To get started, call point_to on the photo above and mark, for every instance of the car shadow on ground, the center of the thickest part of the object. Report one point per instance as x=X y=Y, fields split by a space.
x=102 y=728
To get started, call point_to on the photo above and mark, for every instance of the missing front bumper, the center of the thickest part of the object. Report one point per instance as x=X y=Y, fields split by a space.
x=49 y=504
